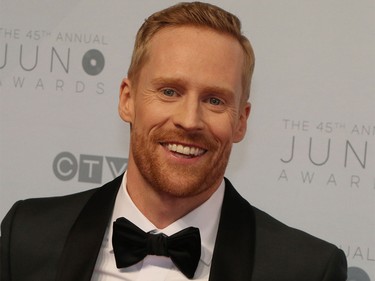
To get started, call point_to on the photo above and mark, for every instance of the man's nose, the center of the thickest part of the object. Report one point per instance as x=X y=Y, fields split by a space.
x=189 y=114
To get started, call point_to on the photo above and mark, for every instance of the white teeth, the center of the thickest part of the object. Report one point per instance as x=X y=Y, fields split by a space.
x=186 y=150
x=180 y=148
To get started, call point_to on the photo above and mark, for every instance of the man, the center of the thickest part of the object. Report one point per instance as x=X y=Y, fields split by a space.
x=186 y=100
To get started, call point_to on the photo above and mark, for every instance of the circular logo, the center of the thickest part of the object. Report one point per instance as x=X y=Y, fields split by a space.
x=65 y=166
x=93 y=62
x=357 y=274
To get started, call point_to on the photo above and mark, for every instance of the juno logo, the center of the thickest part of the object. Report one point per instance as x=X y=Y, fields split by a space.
x=93 y=60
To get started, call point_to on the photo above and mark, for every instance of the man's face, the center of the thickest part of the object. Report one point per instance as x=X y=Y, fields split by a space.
x=185 y=110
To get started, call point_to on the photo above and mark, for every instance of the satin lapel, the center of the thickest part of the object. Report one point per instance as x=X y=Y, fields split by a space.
x=233 y=256
x=83 y=243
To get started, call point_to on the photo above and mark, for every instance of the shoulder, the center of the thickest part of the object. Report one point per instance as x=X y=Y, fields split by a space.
x=39 y=208
x=269 y=228
x=34 y=229
x=296 y=251
x=60 y=206
x=42 y=219
x=289 y=250
x=58 y=211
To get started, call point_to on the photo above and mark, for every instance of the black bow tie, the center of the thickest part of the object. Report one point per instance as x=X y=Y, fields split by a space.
x=131 y=245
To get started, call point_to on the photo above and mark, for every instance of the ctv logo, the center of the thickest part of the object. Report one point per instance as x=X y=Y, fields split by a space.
x=89 y=167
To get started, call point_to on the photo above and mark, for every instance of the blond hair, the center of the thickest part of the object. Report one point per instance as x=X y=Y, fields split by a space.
x=194 y=14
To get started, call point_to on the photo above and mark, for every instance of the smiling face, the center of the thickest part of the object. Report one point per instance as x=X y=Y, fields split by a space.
x=185 y=111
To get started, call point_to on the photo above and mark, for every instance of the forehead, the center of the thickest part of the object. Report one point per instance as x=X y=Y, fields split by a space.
x=198 y=54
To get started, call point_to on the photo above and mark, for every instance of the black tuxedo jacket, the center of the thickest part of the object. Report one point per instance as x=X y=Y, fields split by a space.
x=58 y=239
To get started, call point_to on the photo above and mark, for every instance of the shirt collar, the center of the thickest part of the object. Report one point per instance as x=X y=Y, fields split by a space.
x=205 y=217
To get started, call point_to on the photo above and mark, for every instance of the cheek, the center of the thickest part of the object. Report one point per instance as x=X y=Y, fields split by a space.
x=148 y=117
x=223 y=130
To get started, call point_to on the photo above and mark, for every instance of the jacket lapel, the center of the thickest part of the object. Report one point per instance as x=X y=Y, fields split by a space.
x=83 y=243
x=233 y=256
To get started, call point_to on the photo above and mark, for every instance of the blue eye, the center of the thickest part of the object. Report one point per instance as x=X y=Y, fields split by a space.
x=215 y=101
x=169 y=92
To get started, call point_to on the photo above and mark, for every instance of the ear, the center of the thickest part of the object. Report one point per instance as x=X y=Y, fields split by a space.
x=126 y=102
x=241 y=128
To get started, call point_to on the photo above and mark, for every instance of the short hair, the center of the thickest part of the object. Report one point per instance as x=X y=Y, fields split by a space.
x=194 y=14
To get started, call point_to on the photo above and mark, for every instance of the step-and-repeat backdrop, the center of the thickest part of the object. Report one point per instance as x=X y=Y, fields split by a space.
x=309 y=155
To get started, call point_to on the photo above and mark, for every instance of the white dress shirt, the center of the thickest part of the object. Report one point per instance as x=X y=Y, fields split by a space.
x=157 y=268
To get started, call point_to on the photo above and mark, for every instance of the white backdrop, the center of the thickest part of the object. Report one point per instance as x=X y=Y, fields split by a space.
x=308 y=158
